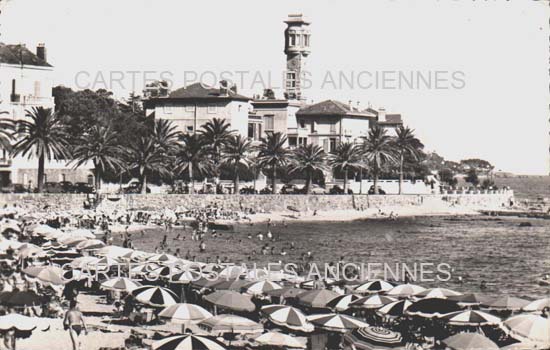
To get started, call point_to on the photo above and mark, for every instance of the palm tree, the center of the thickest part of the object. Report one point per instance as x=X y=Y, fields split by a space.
x=145 y=154
x=273 y=153
x=101 y=146
x=308 y=159
x=406 y=144
x=193 y=156
x=6 y=132
x=216 y=133
x=43 y=135
x=378 y=149
x=346 y=157
x=235 y=154
x=256 y=168
x=165 y=134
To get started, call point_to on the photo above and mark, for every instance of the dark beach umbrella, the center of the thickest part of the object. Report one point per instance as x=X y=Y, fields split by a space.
x=317 y=298
x=507 y=303
x=374 y=338
x=21 y=298
x=336 y=322
x=342 y=302
x=231 y=300
x=470 y=341
x=155 y=296
x=374 y=286
x=395 y=309
x=230 y=284
x=432 y=307
x=206 y=282
x=471 y=318
x=188 y=342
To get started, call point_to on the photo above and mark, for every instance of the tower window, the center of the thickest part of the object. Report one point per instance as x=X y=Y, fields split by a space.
x=268 y=122
x=306 y=40
x=291 y=80
x=292 y=39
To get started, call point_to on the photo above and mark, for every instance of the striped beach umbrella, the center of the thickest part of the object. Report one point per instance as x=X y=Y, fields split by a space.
x=470 y=341
x=374 y=338
x=442 y=293
x=537 y=305
x=186 y=277
x=121 y=284
x=84 y=262
x=342 y=302
x=233 y=272
x=155 y=296
x=317 y=298
x=336 y=322
x=285 y=292
x=395 y=309
x=529 y=328
x=135 y=256
x=432 y=307
x=287 y=316
x=471 y=318
x=187 y=342
x=163 y=258
x=222 y=324
x=183 y=313
x=47 y=275
x=371 y=287
x=230 y=284
x=471 y=299
x=144 y=268
x=372 y=302
x=260 y=287
x=507 y=303
x=165 y=271
x=279 y=340
x=405 y=290
x=228 y=299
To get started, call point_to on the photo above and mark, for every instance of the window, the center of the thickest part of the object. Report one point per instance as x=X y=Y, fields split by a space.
x=290 y=79
x=298 y=39
x=268 y=122
x=326 y=145
x=189 y=128
x=302 y=124
x=312 y=126
x=333 y=128
x=251 y=130
x=212 y=109
x=306 y=40
x=292 y=39
x=292 y=141
x=37 y=89
x=332 y=145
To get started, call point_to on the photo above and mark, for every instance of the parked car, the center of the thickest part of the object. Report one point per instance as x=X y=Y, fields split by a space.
x=83 y=187
x=380 y=191
x=67 y=186
x=290 y=189
x=248 y=190
x=14 y=188
x=336 y=190
x=52 y=187
x=266 y=190
x=134 y=188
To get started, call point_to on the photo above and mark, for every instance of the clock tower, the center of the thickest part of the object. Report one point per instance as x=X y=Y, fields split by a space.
x=297 y=48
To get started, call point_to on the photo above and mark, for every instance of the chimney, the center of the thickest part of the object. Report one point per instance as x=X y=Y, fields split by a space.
x=381 y=114
x=41 y=51
x=224 y=88
x=350 y=105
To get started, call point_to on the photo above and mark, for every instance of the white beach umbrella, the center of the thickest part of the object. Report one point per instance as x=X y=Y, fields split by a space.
x=372 y=302
x=375 y=286
x=9 y=244
x=260 y=287
x=113 y=251
x=442 y=293
x=405 y=290
x=529 y=327
x=276 y=339
x=120 y=284
x=474 y=318
x=336 y=322
x=184 y=313
x=90 y=244
x=287 y=316
x=537 y=305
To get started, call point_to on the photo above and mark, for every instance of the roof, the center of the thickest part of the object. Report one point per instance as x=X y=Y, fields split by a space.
x=19 y=54
x=201 y=91
x=392 y=119
x=332 y=108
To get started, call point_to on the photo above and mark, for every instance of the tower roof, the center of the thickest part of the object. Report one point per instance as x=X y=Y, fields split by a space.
x=19 y=54
x=333 y=108
x=297 y=18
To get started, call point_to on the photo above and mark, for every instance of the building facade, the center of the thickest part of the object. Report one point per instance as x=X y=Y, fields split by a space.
x=26 y=81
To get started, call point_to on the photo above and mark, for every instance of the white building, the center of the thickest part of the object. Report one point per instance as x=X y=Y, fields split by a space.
x=26 y=81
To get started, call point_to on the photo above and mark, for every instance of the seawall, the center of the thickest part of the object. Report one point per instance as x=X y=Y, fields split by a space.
x=267 y=203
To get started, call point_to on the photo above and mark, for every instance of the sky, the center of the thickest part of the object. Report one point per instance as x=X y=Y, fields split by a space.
x=474 y=74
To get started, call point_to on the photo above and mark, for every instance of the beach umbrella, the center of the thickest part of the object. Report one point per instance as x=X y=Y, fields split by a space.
x=10 y=224
x=183 y=313
x=82 y=232
x=90 y=244
x=442 y=293
x=48 y=275
x=143 y=269
x=43 y=230
x=372 y=302
x=256 y=274
x=230 y=284
x=105 y=263
x=260 y=287
x=75 y=275
x=53 y=245
x=9 y=244
x=395 y=309
x=113 y=251
x=222 y=324
x=20 y=298
x=185 y=277
x=276 y=339
x=165 y=271
x=374 y=338
x=310 y=284
x=120 y=284
x=342 y=302
x=187 y=342
x=155 y=296
x=84 y=262
x=375 y=286
x=285 y=292
x=69 y=240
x=507 y=303
x=287 y=316
x=206 y=282
x=336 y=322
x=135 y=255
x=19 y=322
x=405 y=290
x=231 y=300
x=30 y=252
x=470 y=299
x=163 y=258
x=432 y=307
x=471 y=318
x=530 y=328
x=232 y=272
x=470 y=341
x=317 y=298
x=537 y=305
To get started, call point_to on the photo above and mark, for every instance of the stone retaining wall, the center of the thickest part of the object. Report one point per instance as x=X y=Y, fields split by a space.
x=269 y=203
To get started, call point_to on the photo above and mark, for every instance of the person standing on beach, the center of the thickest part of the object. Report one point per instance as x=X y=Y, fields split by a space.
x=74 y=323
